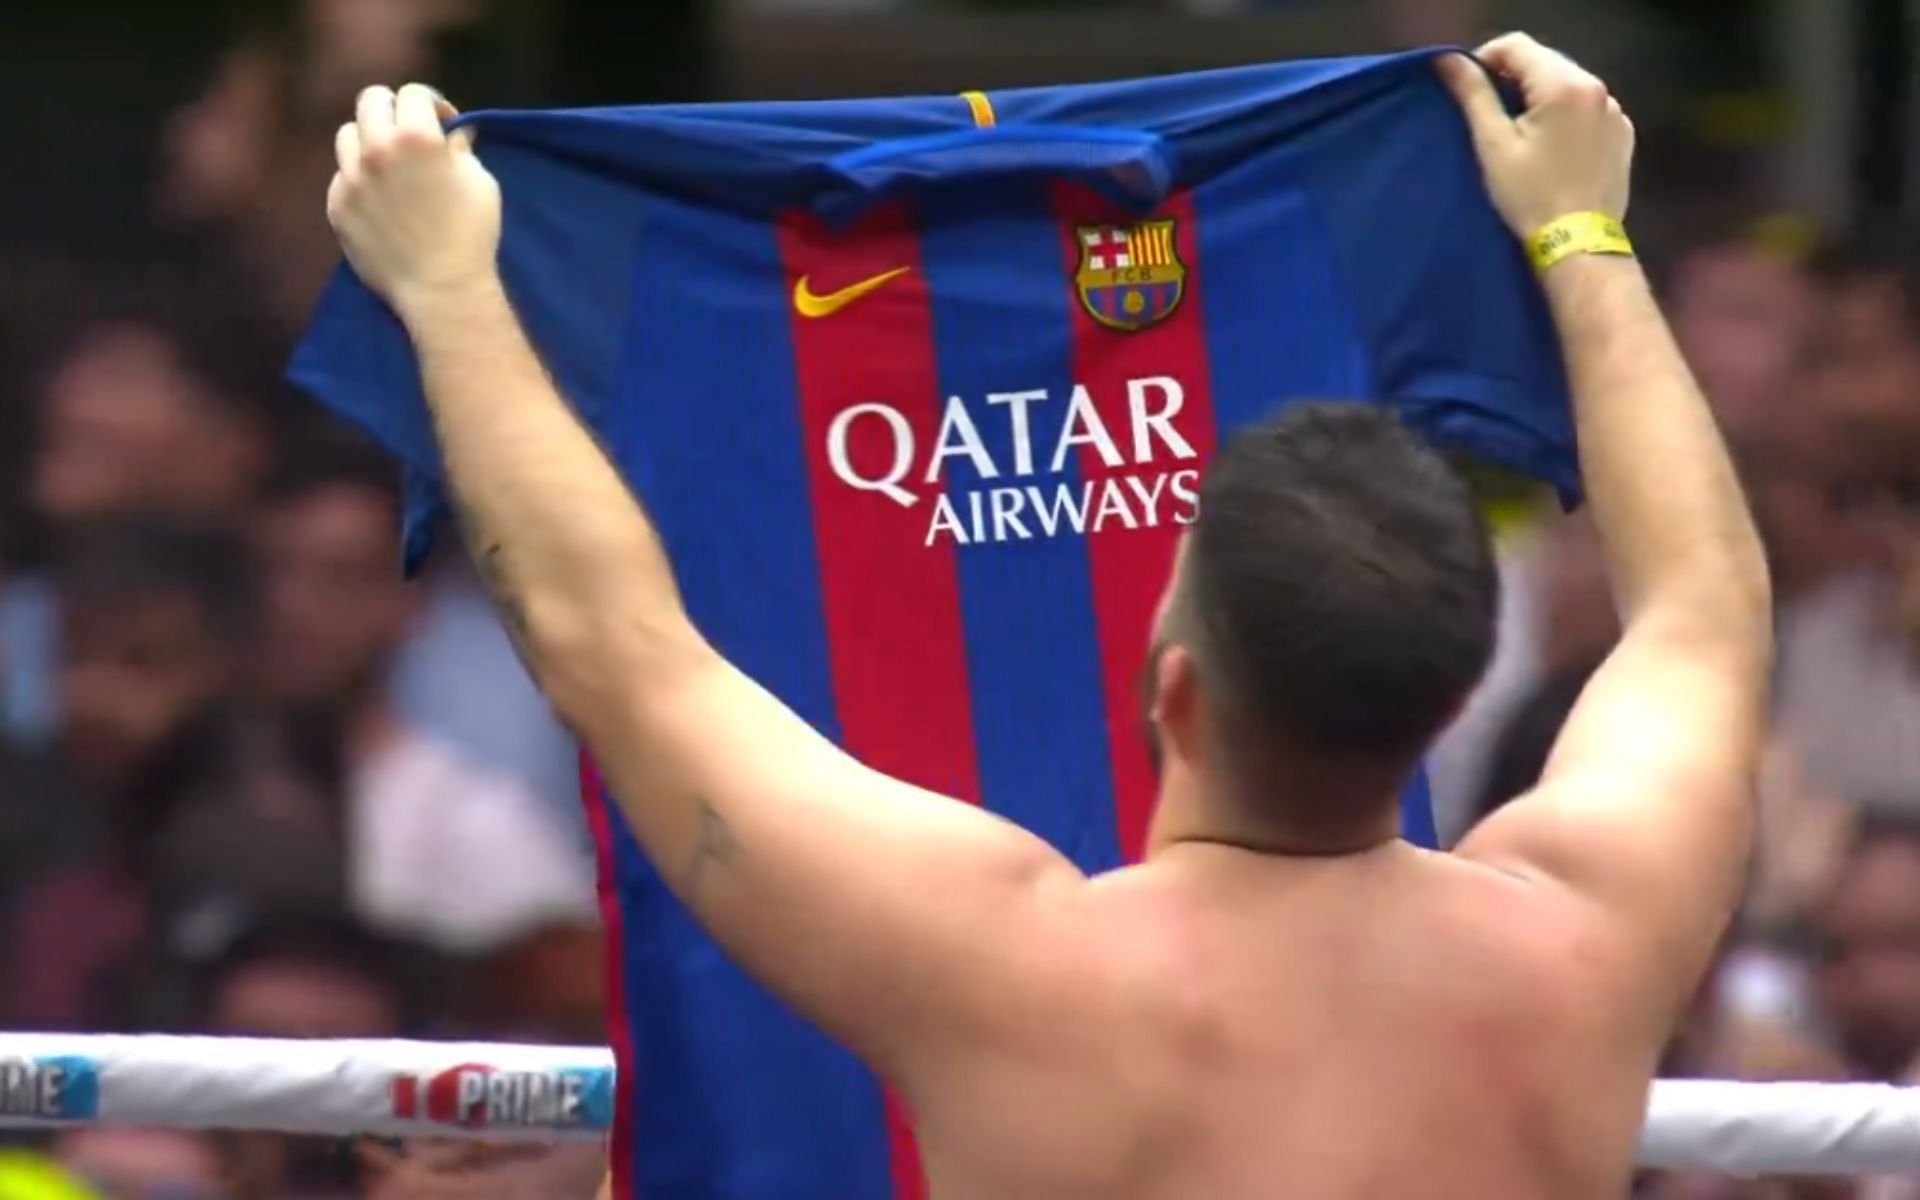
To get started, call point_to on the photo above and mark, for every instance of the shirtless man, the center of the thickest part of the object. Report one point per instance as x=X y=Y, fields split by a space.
x=1284 y=999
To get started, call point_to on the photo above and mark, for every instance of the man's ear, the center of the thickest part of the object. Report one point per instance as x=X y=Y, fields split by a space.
x=1177 y=707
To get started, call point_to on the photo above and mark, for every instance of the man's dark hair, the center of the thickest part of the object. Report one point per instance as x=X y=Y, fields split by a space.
x=126 y=560
x=1339 y=592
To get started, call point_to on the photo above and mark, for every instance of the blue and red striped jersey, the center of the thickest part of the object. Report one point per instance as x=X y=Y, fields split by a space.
x=918 y=393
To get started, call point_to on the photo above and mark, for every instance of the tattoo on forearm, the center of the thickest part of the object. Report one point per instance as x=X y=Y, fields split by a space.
x=716 y=845
x=511 y=610
x=486 y=551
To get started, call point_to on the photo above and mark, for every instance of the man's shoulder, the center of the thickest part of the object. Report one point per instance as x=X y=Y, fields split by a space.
x=1455 y=940
x=1532 y=930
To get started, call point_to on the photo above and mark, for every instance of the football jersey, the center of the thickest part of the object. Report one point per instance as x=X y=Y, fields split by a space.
x=918 y=393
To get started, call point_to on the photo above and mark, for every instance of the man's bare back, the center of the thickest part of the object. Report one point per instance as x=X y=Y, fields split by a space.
x=1398 y=1023
x=1283 y=1000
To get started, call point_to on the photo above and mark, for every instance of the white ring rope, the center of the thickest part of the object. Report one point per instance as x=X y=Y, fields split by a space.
x=339 y=1088
x=547 y=1093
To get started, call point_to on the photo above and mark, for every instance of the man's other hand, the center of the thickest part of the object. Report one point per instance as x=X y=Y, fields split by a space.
x=416 y=213
x=1570 y=151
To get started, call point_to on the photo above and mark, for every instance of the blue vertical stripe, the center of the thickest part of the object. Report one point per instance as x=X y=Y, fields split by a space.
x=737 y=1098
x=1287 y=332
x=1001 y=289
x=1290 y=333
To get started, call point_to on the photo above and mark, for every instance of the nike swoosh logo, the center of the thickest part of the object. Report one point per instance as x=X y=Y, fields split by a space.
x=810 y=305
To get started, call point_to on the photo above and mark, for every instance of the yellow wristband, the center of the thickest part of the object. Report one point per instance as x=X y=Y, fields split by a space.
x=1578 y=233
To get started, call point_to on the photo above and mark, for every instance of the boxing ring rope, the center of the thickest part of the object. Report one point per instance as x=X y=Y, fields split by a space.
x=548 y=1093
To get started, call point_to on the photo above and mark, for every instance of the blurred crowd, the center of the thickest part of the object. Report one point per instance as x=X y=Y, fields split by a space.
x=1808 y=346
x=253 y=782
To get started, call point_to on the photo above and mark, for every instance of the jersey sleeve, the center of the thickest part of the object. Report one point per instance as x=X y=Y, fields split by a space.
x=1452 y=316
x=576 y=186
x=355 y=359
x=1452 y=320
x=567 y=253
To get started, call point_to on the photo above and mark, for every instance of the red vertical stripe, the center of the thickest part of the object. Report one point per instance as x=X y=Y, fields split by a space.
x=613 y=930
x=406 y=1095
x=892 y=602
x=909 y=1176
x=1129 y=565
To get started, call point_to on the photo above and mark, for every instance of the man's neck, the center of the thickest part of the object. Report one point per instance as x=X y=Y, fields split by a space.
x=1191 y=809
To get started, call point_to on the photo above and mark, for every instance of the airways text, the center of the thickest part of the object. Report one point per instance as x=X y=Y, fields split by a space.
x=1092 y=476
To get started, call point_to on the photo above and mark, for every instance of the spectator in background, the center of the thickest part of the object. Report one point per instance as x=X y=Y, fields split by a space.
x=1848 y=695
x=439 y=848
x=1823 y=463
x=1741 y=305
x=1869 y=973
x=1865 y=357
x=306 y=978
x=156 y=399
x=1824 y=468
x=243 y=162
x=246 y=157
x=152 y=620
x=146 y=410
x=1815 y=373
x=144 y=1164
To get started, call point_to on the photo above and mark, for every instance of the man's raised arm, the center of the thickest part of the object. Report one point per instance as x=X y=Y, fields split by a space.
x=1646 y=804
x=890 y=916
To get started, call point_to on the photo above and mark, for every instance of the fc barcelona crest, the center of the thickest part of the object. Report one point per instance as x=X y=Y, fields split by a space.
x=1130 y=276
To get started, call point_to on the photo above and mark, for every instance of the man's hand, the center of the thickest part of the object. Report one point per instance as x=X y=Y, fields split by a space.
x=1571 y=151
x=416 y=213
